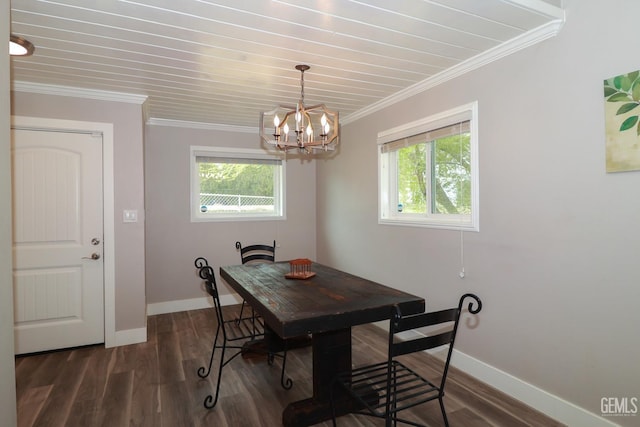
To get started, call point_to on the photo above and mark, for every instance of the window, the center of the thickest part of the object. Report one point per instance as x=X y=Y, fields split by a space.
x=235 y=184
x=428 y=171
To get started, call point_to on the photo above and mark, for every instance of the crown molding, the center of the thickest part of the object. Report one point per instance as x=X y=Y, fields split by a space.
x=102 y=95
x=541 y=7
x=200 y=125
x=507 y=48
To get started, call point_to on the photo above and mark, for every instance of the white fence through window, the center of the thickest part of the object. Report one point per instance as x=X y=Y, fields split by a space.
x=235 y=203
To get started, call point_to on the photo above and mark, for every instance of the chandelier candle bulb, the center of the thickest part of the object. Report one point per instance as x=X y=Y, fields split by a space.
x=276 y=123
x=302 y=126
x=324 y=128
x=309 y=133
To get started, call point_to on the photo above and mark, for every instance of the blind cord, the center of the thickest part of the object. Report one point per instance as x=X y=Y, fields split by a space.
x=462 y=272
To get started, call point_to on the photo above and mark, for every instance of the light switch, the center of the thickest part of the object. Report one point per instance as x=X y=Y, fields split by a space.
x=130 y=216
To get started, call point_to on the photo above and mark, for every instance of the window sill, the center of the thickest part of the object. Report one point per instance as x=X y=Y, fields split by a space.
x=239 y=218
x=430 y=223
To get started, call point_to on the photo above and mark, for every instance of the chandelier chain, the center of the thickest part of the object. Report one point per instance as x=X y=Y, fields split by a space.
x=302 y=87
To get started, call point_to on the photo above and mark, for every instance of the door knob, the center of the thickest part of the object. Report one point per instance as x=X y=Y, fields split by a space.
x=93 y=256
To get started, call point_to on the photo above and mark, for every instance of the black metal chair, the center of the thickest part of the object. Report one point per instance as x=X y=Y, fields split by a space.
x=231 y=335
x=386 y=388
x=253 y=254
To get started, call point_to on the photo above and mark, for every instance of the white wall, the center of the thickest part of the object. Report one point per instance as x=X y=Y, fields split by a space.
x=7 y=364
x=555 y=260
x=173 y=242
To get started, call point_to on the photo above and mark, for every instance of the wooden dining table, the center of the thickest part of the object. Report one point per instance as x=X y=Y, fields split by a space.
x=325 y=306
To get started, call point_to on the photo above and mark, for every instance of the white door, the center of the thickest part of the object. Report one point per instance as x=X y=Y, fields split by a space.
x=57 y=239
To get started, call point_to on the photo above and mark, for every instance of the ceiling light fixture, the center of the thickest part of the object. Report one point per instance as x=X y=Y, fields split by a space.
x=20 y=47
x=306 y=129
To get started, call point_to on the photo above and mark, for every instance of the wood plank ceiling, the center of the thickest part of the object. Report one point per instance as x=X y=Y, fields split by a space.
x=221 y=62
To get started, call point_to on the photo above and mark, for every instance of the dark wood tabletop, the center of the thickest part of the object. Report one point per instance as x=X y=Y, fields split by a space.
x=326 y=306
x=330 y=300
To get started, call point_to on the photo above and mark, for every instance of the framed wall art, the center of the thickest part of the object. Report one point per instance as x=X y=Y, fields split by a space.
x=622 y=124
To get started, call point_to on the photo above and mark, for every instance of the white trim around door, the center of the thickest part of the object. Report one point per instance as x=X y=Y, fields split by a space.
x=106 y=129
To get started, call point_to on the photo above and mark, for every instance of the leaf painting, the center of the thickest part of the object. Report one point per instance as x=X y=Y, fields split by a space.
x=622 y=122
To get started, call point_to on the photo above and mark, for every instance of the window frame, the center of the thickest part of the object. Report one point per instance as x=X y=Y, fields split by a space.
x=387 y=187
x=234 y=153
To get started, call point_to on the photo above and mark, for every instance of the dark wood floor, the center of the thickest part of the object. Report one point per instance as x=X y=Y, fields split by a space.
x=155 y=384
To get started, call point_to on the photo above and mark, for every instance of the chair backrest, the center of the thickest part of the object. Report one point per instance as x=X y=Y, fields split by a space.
x=257 y=252
x=248 y=327
x=447 y=328
x=201 y=262
x=206 y=273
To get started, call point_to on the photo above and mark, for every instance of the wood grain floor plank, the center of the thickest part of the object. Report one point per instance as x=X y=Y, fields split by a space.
x=146 y=409
x=64 y=389
x=197 y=390
x=468 y=418
x=181 y=321
x=154 y=384
x=191 y=345
x=40 y=369
x=84 y=412
x=177 y=409
x=164 y=323
x=145 y=394
x=30 y=406
x=94 y=383
x=125 y=358
x=115 y=409
x=202 y=323
x=170 y=358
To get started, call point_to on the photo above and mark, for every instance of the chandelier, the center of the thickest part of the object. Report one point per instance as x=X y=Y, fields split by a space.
x=302 y=128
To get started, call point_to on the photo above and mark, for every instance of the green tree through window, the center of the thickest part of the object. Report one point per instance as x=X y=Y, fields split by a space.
x=412 y=184
x=236 y=178
x=450 y=176
x=451 y=182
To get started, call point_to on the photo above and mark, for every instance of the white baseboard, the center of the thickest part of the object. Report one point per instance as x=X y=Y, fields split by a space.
x=129 y=336
x=545 y=402
x=135 y=336
x=189 y=304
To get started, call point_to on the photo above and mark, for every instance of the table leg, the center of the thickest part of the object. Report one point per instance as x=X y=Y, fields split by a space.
x=331 y=355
